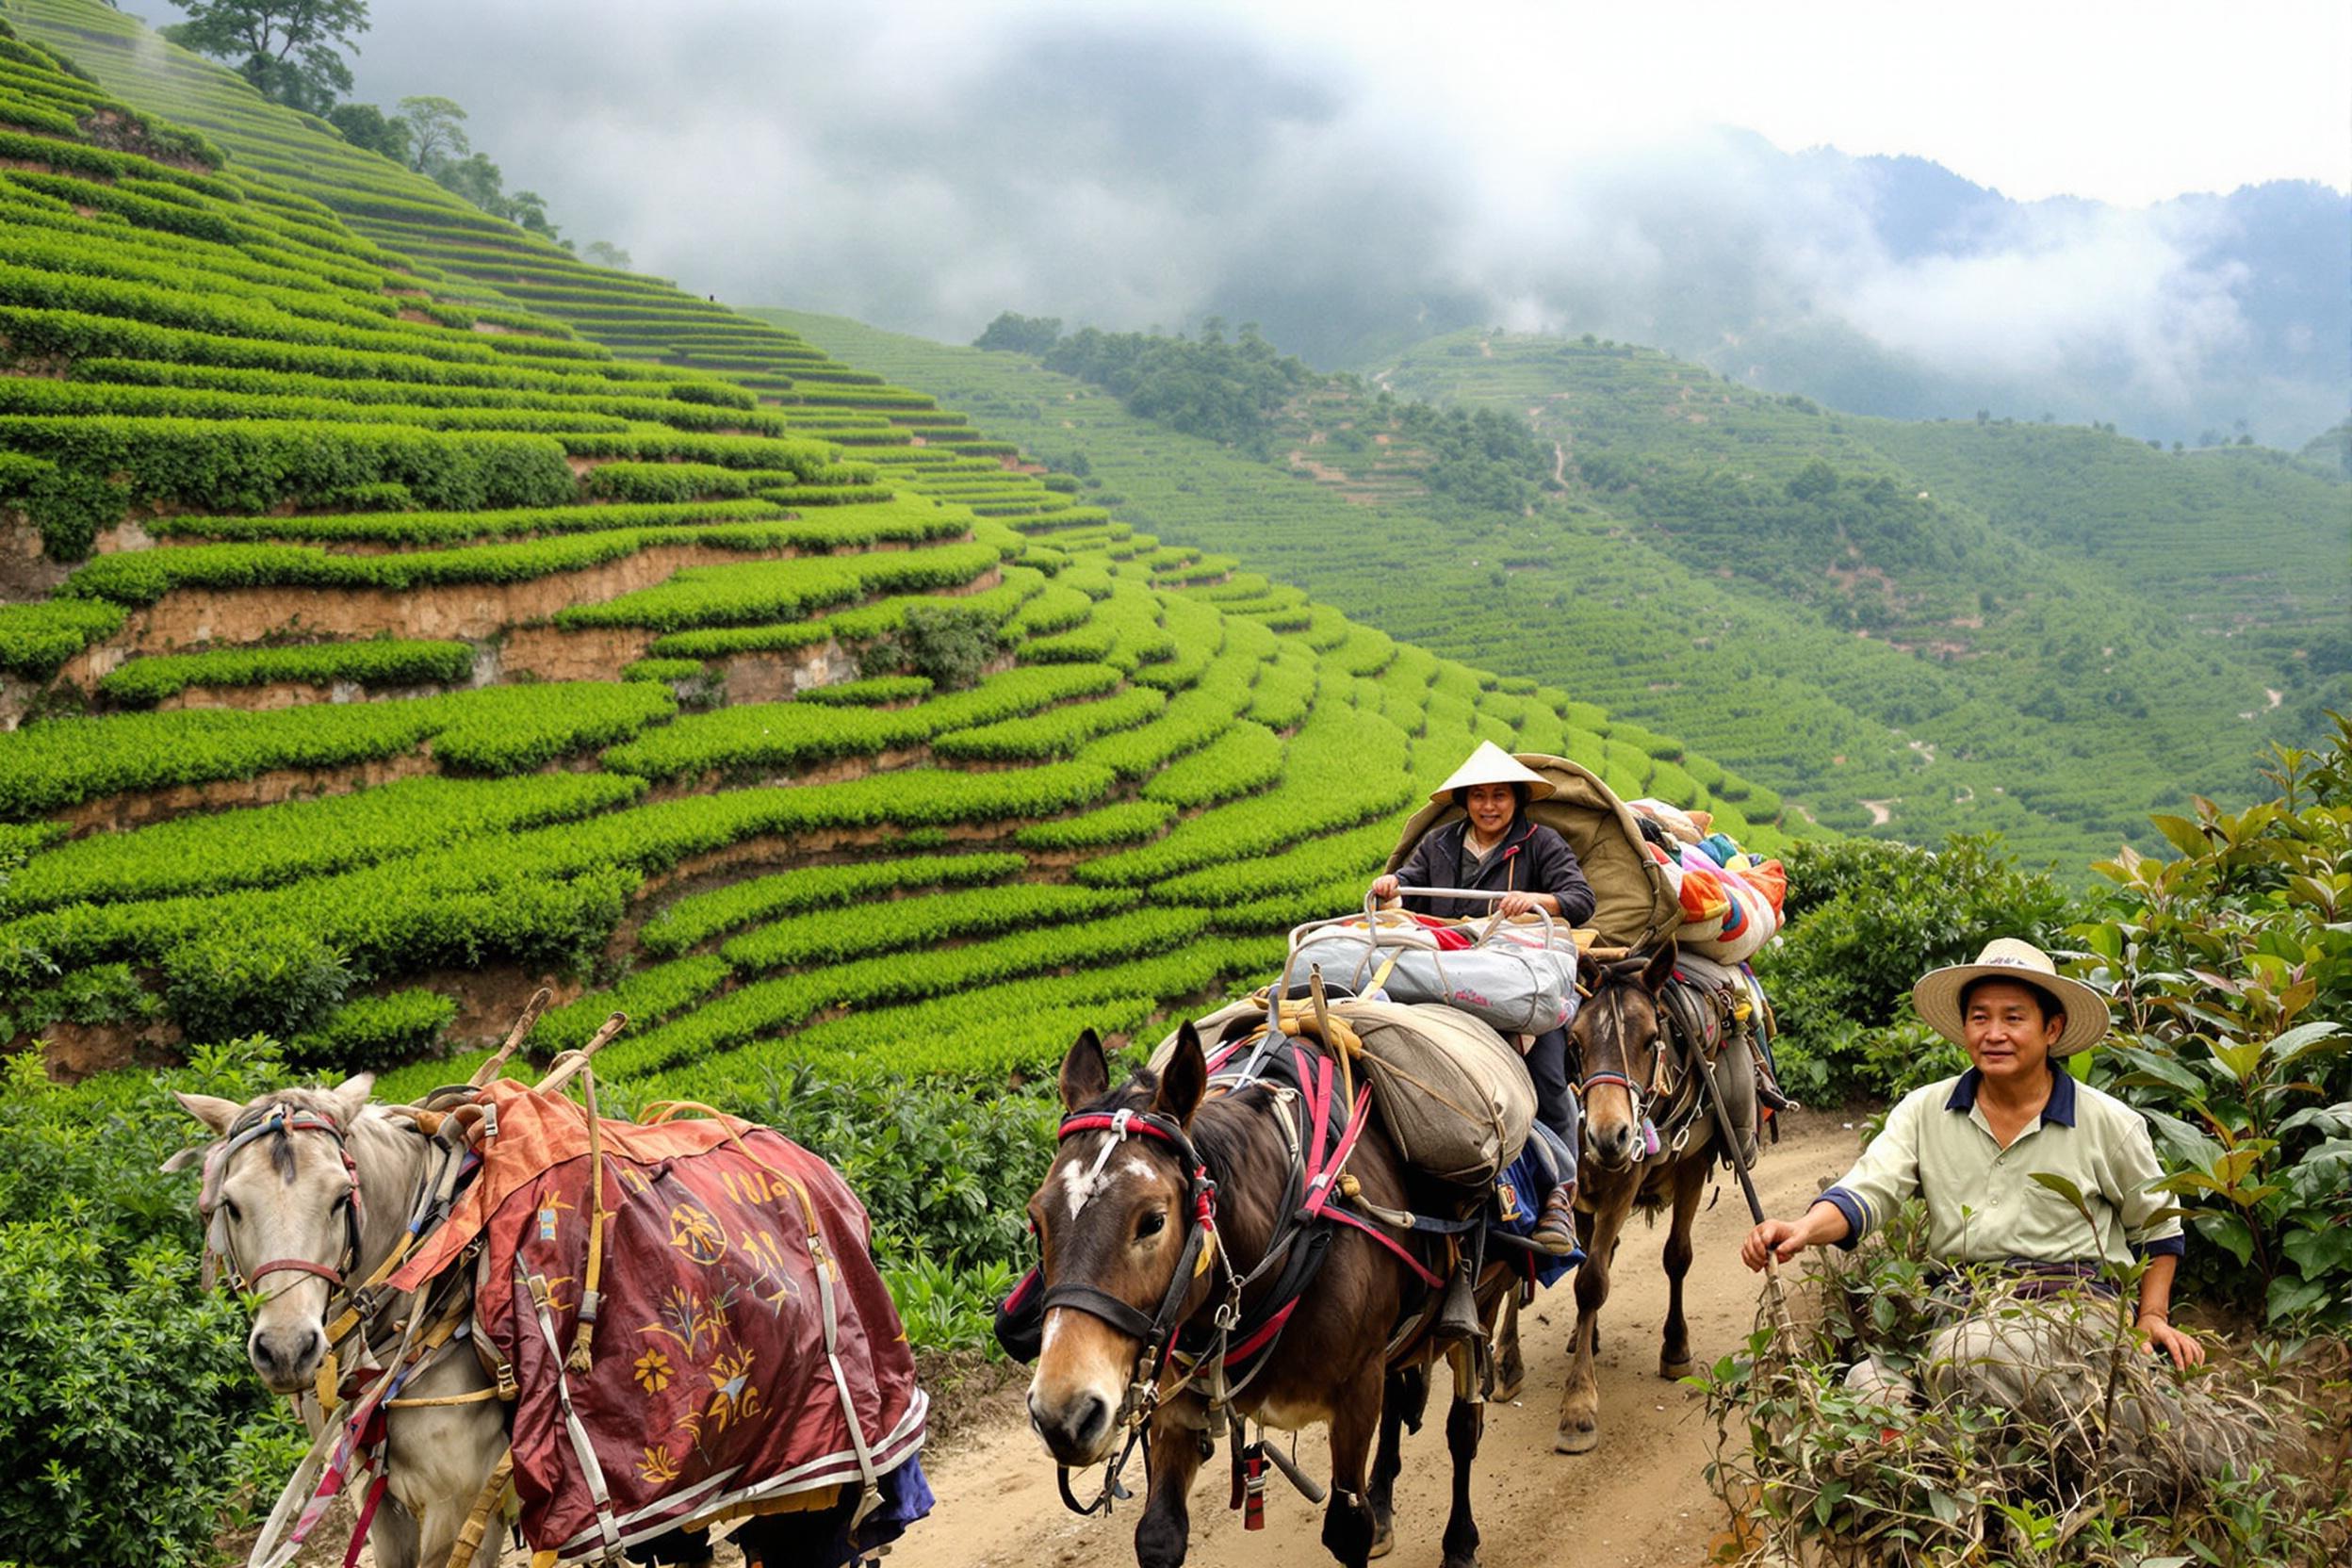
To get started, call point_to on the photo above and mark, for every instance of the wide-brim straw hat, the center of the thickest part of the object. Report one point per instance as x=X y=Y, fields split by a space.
x=1492 y=764
x=1936 y=997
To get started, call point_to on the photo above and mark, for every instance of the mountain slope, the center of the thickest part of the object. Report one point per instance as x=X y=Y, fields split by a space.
x=1818 y=641
x=392 y=636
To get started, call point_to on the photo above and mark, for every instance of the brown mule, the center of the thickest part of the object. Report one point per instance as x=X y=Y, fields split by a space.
x=1631 y=1071
x=1125 y=1265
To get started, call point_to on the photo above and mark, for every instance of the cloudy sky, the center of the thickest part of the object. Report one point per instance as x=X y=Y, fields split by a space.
x=1346 y=173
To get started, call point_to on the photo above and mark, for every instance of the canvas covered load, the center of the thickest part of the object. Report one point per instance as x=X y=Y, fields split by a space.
x=744 y=1356
x=1519 y=978
x=1454 y=1095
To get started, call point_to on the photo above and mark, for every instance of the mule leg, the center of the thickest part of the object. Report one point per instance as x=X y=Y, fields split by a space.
x=1348 y=1527
x=1465 y=1424
x=440 y=1457
x=392 y=1535
x=1401 y=1402
x=1580 y=1401
x=1171 y=1460
x=1511 y=1362
x=1674 y=1359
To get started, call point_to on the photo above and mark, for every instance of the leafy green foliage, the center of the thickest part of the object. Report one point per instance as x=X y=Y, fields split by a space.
x=1866 y=919
x=374 y=1031
x=275 y=844
x=1813 y=1469
x=114 y=1361
x=2231 y=965
x=381 y=662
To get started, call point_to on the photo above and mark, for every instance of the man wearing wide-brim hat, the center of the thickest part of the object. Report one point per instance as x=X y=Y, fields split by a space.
x=1971 y=1147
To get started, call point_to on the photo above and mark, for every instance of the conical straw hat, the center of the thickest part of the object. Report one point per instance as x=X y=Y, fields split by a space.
x=1936 y=997
x=1492 y=764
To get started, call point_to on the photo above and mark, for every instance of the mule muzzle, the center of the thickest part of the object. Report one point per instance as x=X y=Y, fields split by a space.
x=1613 y=1145
x=1077 y=1429
x=287 y=1356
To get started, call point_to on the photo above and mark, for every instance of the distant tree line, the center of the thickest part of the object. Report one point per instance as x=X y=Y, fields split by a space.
x=292 y=51
x=1240 y=393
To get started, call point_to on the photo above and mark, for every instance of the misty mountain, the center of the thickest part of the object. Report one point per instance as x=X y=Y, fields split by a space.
x=925 y=170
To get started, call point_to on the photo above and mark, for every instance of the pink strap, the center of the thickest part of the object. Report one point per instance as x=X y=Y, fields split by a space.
x=366 y=1517
x=1385 y=1240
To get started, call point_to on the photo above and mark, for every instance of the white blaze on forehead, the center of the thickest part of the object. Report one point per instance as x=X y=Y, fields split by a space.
x=1081 y=1181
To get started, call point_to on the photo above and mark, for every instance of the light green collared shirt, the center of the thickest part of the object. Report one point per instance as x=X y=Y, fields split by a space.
x=1984 y=1205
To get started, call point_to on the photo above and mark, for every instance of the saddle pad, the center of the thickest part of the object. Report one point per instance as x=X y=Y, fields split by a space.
x=742 y=1324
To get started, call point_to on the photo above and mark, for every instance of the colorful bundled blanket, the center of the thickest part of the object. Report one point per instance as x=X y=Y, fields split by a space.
x=1731 y=901
x=743 y=1356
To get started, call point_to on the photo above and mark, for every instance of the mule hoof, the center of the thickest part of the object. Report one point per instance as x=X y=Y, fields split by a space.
x=1383 y=1544
x=1577 y=1440
x=1675 y=1371
x=1508 y=1387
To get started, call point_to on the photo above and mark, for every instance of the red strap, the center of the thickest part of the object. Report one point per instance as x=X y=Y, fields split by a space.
x=1266 y=1334
x=1319 y=1185
x=366 y=1517
x=294 y=1265
x=1385 y=1240
x=1314 y=1075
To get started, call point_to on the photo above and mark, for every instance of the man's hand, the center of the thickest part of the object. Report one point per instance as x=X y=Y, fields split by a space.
x=1519 y=903
x=2183 y=1349
x=1384 y=886
x=1781 y=1238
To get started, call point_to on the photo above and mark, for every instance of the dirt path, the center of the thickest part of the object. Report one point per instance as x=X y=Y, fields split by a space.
x=1639 y=1501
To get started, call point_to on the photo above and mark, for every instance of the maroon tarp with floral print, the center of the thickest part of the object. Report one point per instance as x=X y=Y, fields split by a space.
x=710 y=1389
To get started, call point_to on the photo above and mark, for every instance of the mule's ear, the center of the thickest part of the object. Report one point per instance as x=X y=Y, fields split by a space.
x=1086 y=1072
x=182 y=1160
x=213 y=1111
x=351 y=1097
x=1184 y=1079
x=1660 y=967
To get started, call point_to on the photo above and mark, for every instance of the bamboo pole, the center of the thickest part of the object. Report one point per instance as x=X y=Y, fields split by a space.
x=488 y=1071
x=566 y=1066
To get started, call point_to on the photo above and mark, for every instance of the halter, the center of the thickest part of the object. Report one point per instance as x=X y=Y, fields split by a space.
x=1155 y=1334
x=1636 y=1092
x=284 y=1118
x=1309 y=1212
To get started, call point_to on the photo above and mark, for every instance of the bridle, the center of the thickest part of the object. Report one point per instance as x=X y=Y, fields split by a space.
x=287 y=1119
x=1642 y=1095
x=1155 y=1334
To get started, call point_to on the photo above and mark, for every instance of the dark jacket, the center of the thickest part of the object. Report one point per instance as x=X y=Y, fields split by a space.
x=1532 y=857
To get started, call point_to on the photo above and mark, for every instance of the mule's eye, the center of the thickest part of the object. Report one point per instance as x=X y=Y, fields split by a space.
x=342 y=1201
x=237 y=1215
x=1150 y=1224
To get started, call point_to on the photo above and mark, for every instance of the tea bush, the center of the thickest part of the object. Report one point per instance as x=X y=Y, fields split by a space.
x=116 y=1369
x=2230 y=970
x=1866 y=919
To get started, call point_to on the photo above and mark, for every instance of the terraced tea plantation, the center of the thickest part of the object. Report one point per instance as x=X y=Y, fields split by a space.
x=1909 y=629
x=404 y=613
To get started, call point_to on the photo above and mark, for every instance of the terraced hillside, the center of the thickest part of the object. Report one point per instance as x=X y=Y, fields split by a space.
x=1896 y=653
x=393 y=634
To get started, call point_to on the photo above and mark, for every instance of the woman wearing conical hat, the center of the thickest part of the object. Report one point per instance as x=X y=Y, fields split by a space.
x=1495 y=847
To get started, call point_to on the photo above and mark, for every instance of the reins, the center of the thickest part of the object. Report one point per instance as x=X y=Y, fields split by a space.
x=1318 y=1145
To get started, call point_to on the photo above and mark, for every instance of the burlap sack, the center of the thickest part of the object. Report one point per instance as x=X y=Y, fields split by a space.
x=1453 y=1094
